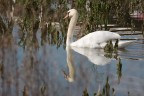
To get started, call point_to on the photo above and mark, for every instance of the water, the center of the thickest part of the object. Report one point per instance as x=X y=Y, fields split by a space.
x=47 y=70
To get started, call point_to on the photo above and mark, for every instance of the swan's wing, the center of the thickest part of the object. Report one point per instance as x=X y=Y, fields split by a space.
x=93 y=40
x=104 y=36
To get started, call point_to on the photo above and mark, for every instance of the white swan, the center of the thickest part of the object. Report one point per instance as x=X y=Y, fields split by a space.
x=95 y=39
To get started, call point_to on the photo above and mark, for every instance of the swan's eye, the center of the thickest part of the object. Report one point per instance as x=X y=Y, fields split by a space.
x=68 y=12
x=67 y=15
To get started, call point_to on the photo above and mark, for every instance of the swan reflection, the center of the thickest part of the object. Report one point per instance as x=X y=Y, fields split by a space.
x=70 y=64
x=96 y=56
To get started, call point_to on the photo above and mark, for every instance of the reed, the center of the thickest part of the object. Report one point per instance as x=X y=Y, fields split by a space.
x=35 y=14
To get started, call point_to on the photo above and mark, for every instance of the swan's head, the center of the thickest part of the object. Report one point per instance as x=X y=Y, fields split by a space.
x=68 y=77
x=71 y=13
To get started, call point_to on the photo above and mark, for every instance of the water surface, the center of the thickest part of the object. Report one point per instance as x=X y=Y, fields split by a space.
x=45 y=69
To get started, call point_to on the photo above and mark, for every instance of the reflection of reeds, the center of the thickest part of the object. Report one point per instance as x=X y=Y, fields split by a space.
x=119 y=69
x=105 y=92
x=1 y=70
x=85 y=93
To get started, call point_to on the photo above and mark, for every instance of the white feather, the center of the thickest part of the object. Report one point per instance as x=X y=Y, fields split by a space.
x=94 y=39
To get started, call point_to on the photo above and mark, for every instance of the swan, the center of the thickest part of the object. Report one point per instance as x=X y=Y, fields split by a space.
x=95 y=39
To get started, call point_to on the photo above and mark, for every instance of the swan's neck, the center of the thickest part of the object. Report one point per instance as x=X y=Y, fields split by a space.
x=71 y=27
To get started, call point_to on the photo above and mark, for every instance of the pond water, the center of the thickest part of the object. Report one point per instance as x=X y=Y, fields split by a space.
x=45 y=70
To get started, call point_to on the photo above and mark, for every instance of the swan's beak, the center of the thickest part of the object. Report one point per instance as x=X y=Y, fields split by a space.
x=67 y=77
x=66 y=16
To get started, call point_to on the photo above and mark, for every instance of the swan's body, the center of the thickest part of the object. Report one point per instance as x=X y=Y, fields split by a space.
x=95 y=39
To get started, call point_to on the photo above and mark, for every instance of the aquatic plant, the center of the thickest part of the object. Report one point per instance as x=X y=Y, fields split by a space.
x=106 y=90
x=119 y=70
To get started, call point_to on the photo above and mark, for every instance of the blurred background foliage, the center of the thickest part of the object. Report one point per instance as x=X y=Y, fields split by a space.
x=46 y=16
